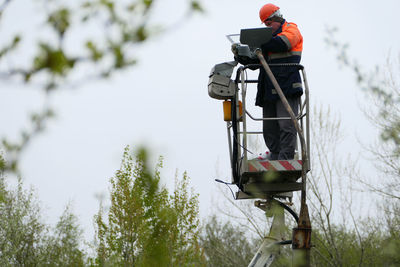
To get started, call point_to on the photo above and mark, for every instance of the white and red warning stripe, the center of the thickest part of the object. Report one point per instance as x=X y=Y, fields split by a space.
x=274 y=165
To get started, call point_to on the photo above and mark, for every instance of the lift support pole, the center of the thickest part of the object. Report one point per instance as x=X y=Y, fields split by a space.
x=302 y=234
x=269 y=248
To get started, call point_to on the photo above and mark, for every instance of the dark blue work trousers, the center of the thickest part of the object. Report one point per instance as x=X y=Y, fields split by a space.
x=280 y=135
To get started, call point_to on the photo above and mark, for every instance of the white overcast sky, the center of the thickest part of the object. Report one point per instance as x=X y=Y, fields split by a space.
x=162 y=102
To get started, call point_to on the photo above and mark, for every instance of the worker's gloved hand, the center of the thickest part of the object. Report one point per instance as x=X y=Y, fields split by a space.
x=243 y=60
x=234 y=48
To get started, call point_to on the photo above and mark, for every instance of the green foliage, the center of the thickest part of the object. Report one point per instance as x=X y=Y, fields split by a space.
x=391 y=241
x=95 y=53
x=226 y=245
x=147 y=3
x=53 y=60
x=21 y=230
x=145 y=225
x=196 y=6
x=374 y=247
x=26 y=241
x=60 y=20
x=8 y=48
x=2 y=164
x=63 y=248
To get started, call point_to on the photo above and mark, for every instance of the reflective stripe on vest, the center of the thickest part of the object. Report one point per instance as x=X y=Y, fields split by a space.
x=297 y=85
x=294 y=85
x=286 y=41
x=284 y=54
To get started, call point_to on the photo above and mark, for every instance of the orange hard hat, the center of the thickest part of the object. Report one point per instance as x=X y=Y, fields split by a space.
x=267 y=10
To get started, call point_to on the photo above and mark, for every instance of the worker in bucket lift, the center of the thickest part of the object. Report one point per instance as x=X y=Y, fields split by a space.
x=285 y=46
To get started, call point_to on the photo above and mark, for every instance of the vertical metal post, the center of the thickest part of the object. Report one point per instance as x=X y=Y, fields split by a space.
x=244 y=165
x=307 y=93
x=301 y=239
x=228 y=126
x=269 y=248
x=235 y=112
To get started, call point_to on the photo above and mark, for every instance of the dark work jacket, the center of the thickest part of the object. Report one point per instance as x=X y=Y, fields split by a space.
x=285 y=47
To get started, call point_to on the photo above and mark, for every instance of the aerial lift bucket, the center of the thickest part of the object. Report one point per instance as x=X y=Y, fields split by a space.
x=250 y=175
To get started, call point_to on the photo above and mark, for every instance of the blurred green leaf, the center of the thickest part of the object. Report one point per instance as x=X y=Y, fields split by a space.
x=119 y=60
x=60 y=20
x=2 y=166
x=147 y=3
x=196 y=6
x=141 y=34
x=96 y=54
x=16 y=40
x=53 y=60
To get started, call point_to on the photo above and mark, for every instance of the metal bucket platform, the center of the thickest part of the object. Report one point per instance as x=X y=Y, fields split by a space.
x=270 y=178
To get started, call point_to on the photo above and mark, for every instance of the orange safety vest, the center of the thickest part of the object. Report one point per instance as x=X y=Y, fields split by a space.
x=292 y=37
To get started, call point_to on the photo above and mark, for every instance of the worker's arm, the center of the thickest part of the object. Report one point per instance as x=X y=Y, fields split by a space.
x=246 y=60
x=284 y=41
